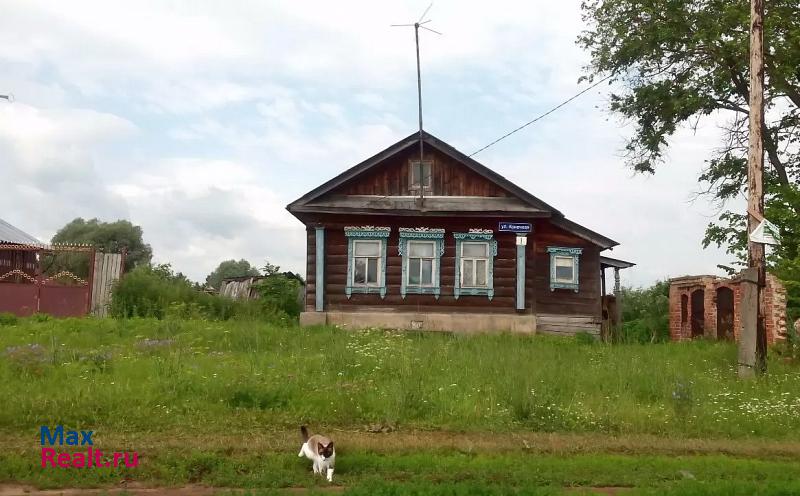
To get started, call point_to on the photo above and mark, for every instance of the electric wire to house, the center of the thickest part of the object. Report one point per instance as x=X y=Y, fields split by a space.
x=520 y=128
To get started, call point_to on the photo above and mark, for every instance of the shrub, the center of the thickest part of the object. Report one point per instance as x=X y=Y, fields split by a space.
x=7 y=319
x=280 y=293
x=156 y=291
x=149 y=291
x=645 y=314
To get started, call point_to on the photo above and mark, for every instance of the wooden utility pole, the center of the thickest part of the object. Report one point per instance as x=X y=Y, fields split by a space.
x=753 y=341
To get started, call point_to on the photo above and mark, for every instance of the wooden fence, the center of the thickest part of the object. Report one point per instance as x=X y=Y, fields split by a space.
x=107 y=270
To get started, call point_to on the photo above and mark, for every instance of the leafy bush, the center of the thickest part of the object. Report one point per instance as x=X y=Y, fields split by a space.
x=280 y=293
x=156 y=291
x=7 y=319
x=148 y=291
x=645 y=314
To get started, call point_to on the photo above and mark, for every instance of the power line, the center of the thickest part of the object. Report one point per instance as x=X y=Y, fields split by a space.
x=501 y=138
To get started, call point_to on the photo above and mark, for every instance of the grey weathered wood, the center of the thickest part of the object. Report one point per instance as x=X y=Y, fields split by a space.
x=749 y=316
x=567 y=325
x=98 y=267
x=755 y=172
x=432 y=204
x=107 y=270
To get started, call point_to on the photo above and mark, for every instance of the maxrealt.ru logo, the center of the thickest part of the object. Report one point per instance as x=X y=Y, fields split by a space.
x=90 y=458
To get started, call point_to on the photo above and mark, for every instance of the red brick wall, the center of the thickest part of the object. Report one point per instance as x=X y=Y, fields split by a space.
x=774 y=304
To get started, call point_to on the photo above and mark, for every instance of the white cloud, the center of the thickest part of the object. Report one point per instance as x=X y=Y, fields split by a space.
x=202 y=121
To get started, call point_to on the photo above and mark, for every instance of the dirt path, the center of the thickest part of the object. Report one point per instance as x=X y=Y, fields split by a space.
x=414 y=441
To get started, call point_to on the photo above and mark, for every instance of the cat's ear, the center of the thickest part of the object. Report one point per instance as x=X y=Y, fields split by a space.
x=320 y=447
x=330 y=445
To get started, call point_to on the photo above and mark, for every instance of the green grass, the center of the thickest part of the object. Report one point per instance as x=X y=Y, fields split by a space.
x=152 y=375
x=218 y=403
x=388 y=471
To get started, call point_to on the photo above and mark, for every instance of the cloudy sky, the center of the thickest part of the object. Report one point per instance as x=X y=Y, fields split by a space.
x=200 y=121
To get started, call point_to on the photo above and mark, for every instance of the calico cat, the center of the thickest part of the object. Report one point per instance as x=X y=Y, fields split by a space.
x=320 y=450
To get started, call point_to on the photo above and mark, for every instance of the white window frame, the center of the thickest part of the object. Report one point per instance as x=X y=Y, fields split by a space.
x=479 y=236
x=434 y=263
x=379 y=262
x=559 y=252
x=474 y=259
x=571 y=264
x=357 y=235
x=425 y=234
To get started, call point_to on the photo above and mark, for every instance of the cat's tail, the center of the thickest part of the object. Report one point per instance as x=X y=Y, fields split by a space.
x=304 y=432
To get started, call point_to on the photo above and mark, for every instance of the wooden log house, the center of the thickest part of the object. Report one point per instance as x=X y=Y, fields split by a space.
x=382 y=253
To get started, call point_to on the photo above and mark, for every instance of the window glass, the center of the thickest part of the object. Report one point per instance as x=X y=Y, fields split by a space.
x=367 y=248
x=372 y=271
x=420 y=249
x=565 y=269
x=468 y=274
x=360 y=271
x=427 y=273
x=480 y=272
x=413 y=271
x=426 y=174
x=474 y=249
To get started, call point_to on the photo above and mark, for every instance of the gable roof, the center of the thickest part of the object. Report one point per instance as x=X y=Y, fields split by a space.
x=305 y=202
x=12 y=235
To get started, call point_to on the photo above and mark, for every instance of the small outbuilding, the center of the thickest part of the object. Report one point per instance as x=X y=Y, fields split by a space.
x=708 y=306
x=421 y=236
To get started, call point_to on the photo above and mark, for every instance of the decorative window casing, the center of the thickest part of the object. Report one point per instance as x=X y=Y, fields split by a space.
x=564 y=267
x=422 y=249
x=366 y=259
x=475 y=252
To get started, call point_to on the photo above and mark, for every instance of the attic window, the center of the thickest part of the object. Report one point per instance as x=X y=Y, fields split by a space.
x=414 y=175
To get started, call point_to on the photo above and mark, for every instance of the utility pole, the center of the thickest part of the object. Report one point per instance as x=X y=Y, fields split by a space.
x=753 y=341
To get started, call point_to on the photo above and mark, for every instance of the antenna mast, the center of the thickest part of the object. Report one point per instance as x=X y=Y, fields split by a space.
x=420 y=24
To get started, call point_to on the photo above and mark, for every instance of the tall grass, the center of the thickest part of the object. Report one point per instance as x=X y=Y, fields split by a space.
x=175 y=375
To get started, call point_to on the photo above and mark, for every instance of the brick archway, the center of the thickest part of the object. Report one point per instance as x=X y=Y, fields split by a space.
x=698 y=314
x=725 y=313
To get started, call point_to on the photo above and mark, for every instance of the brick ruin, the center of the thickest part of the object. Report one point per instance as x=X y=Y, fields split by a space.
x=708 y=306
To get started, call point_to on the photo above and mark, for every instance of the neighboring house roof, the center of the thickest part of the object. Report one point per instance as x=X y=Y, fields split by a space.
x=614 y=262
x=12 y=235
x=535 y=206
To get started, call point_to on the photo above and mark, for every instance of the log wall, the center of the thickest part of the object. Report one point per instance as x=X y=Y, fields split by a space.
x=539 y=298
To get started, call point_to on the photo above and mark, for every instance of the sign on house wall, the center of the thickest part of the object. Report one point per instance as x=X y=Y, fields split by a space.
x=517 y=227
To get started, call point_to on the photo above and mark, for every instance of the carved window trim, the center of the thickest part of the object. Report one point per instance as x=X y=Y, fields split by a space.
x=564 y=252
x=475 y=235
x=366 y=233
x=428 y=234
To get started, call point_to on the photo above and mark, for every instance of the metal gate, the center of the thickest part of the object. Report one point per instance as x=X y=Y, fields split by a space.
x=26 y=289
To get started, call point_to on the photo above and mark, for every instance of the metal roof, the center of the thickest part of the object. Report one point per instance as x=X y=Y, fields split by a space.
x=10 y=234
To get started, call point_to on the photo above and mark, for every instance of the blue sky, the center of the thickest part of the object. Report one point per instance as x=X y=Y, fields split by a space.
x=200 y=121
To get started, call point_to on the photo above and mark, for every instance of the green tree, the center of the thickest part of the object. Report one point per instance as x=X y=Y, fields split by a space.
x=230 y=268
x=673 y=62
x=110 y=237
x=645 y=313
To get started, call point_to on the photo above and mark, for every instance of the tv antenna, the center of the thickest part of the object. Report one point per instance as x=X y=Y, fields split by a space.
x=417 y=25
